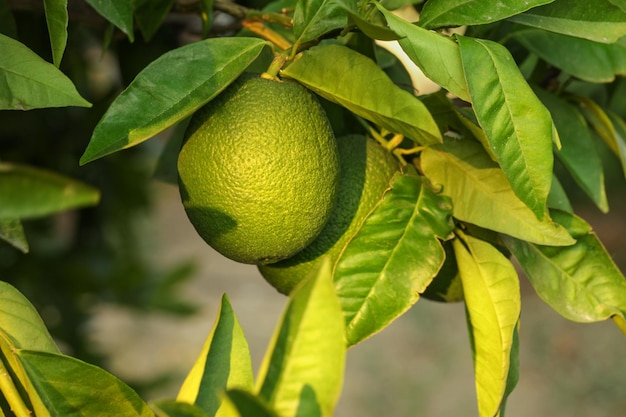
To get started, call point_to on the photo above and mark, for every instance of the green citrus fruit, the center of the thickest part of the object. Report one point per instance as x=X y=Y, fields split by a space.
x=259 y=170
x=366 y=171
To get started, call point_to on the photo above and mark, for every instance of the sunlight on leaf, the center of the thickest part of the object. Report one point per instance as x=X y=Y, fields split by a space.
x=57 y=18
x=394 y=256
x=170 y=89
x=493 y=304
x=481 y=194
x=223 y=363
x=304 y=364
x=518 y=126
x=313 y=18
x=365 y=90
x=580 y=282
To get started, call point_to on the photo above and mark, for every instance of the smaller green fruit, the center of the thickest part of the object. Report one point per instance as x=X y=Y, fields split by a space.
x=366 y=170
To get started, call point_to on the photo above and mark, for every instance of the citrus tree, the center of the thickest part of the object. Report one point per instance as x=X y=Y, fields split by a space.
x=410 y=194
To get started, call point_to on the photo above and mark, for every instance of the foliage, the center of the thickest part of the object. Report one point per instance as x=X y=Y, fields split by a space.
x=521 y=109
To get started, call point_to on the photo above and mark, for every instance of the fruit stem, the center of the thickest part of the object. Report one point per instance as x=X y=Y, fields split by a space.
x=277 y=63
x=266 y=33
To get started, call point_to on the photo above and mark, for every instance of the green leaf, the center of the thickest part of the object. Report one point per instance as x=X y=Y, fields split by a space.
x=580 y=282
x=517 y=125
x=12 y=232
x=588 y=60
x=57 y=18
x=246 y=404
x=557 y=199
x=303 y=367
x=481 y=194
x=598 y=20
x=167 y=169
x=578 y=152
x=170 y=89
x=70 y=387
x=150 y=14
x=436 y=55
x=364 y=90
x=21 y=323
x=223 y=363
x=171 y=408
x=313 y=18
x=28 y=192
x=613 y=134
x=446 y=13
x=28 y=82
x=493 y=304
x=118 y=12
x=394 y=256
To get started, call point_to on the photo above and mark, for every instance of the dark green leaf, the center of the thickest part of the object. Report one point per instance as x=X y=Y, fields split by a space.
x=7 y=21
x=446 y=286
x=118 y=12
x=246 y=404
x=57 y=18
x=436 y=55
x=12 y=232
x=446 y=13
x=598 y=20
x=481 y=194
x=70 y=387
x=372 y=30
x=28 y=192
x=170 y=89
x=223 y=363
x=578 y=152
x=620 y=138
x=365 y=90
x=167 y=169
x=304 y=364
x=580 y=282
x=517 y=125
x=150 y=14
x=394 y=256
x=493 y=304
x=313 y=18
x=28 y=82
x=171 y=408
x=557 y=199
x=588 y=60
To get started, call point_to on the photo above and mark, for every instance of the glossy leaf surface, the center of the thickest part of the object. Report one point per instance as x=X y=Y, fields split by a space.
x=223 y=363
x=28 y=192
x=365 y=90
x=176 y=85
x=580 y=282
x=29 y=82
x=394 y=256
x=481 y=194
x=118 y=12
x=517 y=125
x=588 y=60
x=303 y=367
x=599 y=20
x=446 y=13
x=57 y=19
x=578 y=151
x=67 y=384
x=493 y=304
x=436 y=55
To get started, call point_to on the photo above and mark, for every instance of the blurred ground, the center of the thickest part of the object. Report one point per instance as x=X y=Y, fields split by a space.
x=419 y=366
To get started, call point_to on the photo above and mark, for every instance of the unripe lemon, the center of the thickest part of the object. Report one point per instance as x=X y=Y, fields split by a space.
x=366 y=172
x=258 y=170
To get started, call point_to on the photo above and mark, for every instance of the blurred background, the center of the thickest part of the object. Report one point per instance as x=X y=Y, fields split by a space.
x=128 y=285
